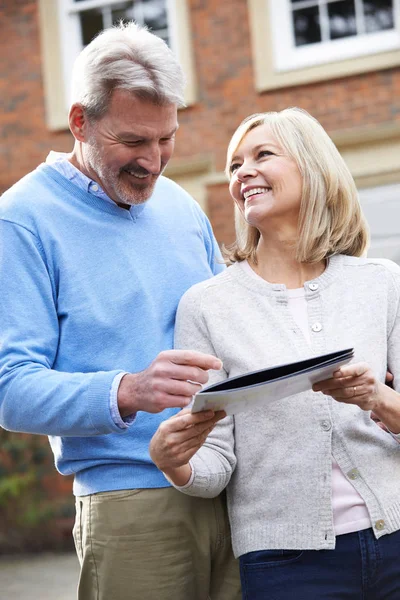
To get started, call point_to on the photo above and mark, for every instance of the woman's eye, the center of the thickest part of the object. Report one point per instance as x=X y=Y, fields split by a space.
x=263 y=153
x=234 y=167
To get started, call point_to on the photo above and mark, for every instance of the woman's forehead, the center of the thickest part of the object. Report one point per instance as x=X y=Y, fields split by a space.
x=261 y=135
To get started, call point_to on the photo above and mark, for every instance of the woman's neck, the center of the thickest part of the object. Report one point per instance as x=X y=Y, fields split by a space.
x=277 y=264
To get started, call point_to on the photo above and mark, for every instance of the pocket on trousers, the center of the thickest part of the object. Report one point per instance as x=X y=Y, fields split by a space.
x=270 y=558
x=77 y=531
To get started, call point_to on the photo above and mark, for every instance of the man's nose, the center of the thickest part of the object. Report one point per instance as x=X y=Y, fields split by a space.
x=150 y=159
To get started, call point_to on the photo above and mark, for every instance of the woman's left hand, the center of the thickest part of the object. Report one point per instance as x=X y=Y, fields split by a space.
x=357 y=384
x=354 y=384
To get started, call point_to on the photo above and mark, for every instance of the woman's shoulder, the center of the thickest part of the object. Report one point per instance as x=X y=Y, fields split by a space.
x=210 y=290
x=211 y=286
x=379 y=271
x=385 y=264
x=371 y=263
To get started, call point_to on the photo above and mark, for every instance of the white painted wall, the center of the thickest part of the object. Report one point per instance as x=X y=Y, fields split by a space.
x=381 y=206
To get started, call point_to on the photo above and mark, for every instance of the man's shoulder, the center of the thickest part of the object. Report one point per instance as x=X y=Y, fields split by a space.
x=23 y=198
x=167 y=190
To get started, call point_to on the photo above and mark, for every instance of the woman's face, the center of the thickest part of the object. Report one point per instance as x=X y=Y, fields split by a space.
x=265 y=182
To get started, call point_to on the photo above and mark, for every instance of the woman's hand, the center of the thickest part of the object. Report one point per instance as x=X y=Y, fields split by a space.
x=353 y=384
x=177 y=439
x=389 y=382
x=357 y=384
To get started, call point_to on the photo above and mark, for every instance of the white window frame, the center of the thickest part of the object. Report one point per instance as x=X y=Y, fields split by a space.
x=61 y=43
x=70 y=32
x=288 y=56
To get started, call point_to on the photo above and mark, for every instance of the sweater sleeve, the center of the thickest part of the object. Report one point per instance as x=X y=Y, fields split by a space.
x=215 y=260
x=214 y=463
x=393 y=359
x=34 y=398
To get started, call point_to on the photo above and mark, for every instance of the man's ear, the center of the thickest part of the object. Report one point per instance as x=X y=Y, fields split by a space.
x=77 y=122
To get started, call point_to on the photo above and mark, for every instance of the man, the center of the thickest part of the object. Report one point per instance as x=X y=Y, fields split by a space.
x=96 y=251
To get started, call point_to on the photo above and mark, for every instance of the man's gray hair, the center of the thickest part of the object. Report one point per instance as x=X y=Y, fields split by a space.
x=126 y=56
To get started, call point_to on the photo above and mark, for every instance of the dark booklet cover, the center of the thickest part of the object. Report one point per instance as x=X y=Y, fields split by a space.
x=252 y=389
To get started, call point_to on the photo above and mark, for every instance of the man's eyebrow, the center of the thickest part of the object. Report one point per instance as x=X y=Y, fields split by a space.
x=171 y=133
x=137 y=136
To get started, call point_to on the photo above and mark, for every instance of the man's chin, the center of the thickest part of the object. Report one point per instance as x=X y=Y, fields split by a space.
x=138 y=194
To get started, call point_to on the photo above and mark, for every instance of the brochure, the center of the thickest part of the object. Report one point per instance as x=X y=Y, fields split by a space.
x=256 y=388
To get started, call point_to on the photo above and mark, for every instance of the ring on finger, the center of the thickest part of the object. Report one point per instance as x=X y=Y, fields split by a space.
x=354 y=390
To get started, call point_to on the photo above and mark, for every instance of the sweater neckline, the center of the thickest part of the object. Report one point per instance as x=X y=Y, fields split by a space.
x=333 y=269
x=108 y=207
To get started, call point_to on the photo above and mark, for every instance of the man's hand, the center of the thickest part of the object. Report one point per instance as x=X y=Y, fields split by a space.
x=177 y=439
x=171 y=380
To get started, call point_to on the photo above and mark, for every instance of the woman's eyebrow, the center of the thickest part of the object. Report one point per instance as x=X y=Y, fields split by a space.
x=270 y=144
x=256 y=148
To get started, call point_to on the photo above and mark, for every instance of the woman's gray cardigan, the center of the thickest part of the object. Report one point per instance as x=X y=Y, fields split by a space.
x=279 y=473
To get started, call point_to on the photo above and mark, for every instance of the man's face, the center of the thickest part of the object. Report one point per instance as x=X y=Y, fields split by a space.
x=128 y=148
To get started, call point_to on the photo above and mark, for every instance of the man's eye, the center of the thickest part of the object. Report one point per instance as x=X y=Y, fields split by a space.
x=234 y=168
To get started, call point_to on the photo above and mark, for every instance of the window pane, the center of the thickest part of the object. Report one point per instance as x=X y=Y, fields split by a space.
x=306 y=26
x=378 y=15
x=342 y=19
x=122 y=11
x=155 y=14
x=152 y=13
x=91 y=24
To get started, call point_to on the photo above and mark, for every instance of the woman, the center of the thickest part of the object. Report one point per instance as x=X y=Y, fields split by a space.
x=314 y=482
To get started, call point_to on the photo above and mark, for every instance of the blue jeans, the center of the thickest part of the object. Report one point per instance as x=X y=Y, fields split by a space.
x=360 y=568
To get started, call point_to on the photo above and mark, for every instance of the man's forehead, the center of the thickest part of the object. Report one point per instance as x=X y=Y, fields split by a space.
x=132 y=115
x=147 y=130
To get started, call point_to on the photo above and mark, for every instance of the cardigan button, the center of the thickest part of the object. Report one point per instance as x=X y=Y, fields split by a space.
x=326 y=426
x=316 y=327
x=313 y=286
x=353 y=474
x=380 y=524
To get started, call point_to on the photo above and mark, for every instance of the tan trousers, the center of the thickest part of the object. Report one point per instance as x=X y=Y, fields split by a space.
x=154 y=544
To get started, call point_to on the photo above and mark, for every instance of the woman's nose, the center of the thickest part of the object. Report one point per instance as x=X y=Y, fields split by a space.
x=245 y=171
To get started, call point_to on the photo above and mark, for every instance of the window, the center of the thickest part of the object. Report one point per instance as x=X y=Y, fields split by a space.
x=295 y=42
x=68 y=25
x=95 y=16
x=81 y=20
x=312 y=32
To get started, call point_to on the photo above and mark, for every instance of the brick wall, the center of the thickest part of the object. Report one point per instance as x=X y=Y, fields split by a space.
x=224 y=72
x=225 y=76
x=24 y=138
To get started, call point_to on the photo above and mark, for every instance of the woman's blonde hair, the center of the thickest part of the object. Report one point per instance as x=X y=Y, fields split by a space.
x=330 y=220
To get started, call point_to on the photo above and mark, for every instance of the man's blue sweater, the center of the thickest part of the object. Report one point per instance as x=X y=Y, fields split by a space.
x=88 y=290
